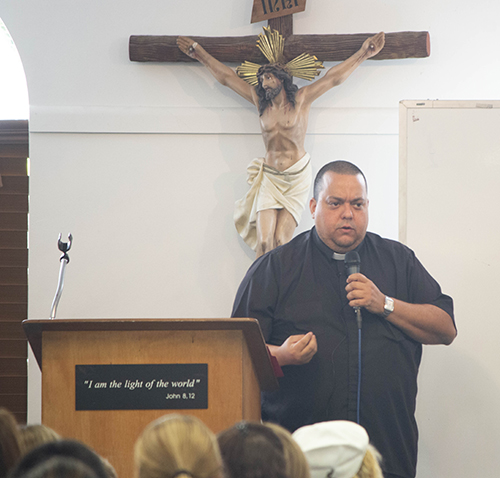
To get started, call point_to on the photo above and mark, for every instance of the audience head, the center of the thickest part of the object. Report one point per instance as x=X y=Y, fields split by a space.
x=10 y=442
x=110 y=470
x=296 y=463
x=177 y=446
x=36 y=435
x=370 y=468
x=338 y=449
x=252 y=450
x=61 y=467
x=62 y=448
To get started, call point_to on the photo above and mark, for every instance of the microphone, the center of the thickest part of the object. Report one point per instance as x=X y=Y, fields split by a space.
x=352 y=264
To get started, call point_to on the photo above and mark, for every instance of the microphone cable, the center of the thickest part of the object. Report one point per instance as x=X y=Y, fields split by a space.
x=352 y=263
x=358 y=405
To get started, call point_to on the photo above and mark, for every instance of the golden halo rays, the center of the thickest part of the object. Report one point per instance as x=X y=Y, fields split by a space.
x=272 y=44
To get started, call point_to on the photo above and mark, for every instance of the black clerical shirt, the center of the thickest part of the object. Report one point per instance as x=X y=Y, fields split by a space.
x=300 y=287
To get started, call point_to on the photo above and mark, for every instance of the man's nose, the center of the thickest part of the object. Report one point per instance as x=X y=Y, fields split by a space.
x=347 y=211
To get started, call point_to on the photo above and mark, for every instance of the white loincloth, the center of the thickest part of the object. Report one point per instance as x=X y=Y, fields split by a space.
x=272 y=189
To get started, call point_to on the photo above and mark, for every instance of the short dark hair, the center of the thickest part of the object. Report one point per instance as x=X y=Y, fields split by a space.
x=252 y=450
x=286 y=81
x=62 y=448
x=61 y=467
x=339 y=167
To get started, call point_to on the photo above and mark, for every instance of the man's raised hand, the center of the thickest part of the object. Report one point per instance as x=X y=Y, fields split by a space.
x=296 y=349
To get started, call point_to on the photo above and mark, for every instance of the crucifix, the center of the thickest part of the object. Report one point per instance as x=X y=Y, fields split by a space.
x=280 y=182
x=398 y=45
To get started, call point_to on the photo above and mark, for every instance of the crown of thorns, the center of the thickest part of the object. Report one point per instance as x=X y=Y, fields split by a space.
x=272 y=44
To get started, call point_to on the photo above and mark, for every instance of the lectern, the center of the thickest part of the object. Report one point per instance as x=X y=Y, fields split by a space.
x=103 y=381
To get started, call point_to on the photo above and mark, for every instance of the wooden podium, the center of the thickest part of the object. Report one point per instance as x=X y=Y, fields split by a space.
x=237 y=369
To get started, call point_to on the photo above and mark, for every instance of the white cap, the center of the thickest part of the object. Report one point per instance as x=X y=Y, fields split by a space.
x=337 y=445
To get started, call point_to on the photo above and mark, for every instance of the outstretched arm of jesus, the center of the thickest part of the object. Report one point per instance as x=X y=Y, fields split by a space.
x=222 y=73
x=339 y=73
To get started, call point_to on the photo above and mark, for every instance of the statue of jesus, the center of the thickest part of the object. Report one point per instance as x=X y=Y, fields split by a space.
x=280 y=182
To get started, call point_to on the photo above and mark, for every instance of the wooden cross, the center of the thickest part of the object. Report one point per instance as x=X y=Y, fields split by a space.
x=398 y=45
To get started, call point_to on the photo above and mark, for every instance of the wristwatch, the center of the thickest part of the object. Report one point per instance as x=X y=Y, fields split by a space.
x=388 y=306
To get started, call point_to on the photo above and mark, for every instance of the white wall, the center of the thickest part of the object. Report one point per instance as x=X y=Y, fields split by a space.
x=446 y=195
x=13 y=90
x=143 y=162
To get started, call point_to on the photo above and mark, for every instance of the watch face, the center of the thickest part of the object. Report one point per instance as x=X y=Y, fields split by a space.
x=389 y=306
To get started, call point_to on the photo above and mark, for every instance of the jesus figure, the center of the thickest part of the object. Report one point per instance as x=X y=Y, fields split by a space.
x=280 y=182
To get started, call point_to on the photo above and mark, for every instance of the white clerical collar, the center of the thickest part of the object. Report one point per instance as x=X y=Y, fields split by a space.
x=338 y=257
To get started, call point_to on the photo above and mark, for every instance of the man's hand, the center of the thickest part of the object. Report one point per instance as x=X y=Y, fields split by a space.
x=362 y=292
x=425 y=323
x=187 y=46
x=295 y=350
x=374 y=44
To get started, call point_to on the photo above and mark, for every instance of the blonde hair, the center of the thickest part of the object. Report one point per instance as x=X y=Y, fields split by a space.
x=176 y=446
x=35 y=435
x=370 y=467
x=296 y=462
x=10 y=442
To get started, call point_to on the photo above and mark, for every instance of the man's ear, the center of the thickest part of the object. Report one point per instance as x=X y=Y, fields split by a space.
x=312 y=207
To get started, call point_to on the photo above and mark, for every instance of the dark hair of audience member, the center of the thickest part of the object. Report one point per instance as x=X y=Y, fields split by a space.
x=36 y=435
x=252 y=450
x=62 y=448
x=296 y=462
x=61 y=467
x=10 y=447
x=177 y=446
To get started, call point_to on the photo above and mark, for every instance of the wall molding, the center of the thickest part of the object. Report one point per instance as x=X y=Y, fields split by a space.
x=201 y=120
